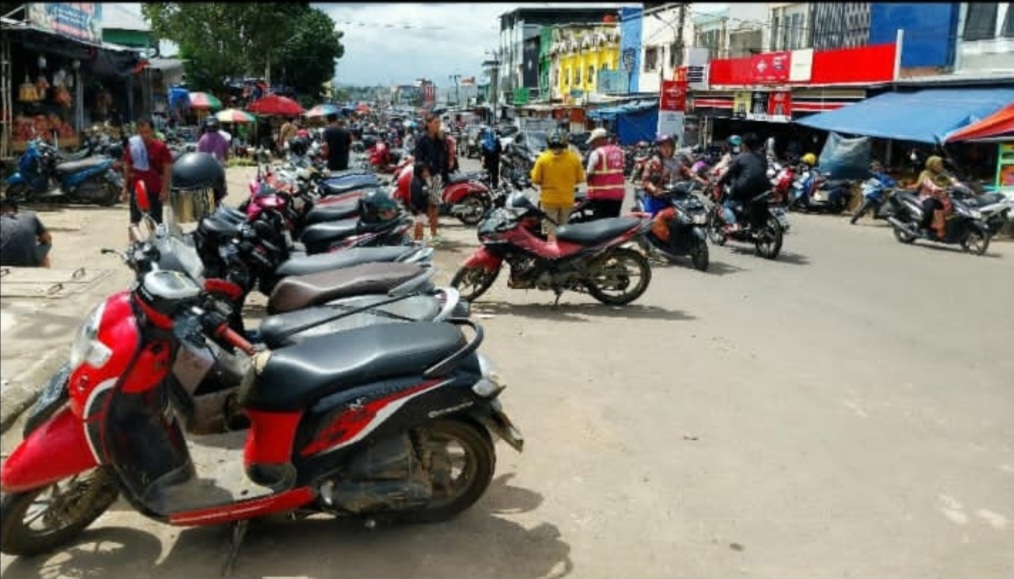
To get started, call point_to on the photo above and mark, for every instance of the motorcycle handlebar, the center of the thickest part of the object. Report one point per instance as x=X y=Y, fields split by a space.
x=232 y=337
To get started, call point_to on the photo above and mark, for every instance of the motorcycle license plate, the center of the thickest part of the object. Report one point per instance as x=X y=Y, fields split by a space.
x=700 y=219
x=504 y=428
x=54 y=395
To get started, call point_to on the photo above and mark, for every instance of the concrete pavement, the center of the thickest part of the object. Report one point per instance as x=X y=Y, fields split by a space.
x=842 y=411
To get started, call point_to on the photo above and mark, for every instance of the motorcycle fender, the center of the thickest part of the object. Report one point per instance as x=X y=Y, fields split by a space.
x=699 y=233
x=497 y=423
x=483 y=258
x=457 y=192
x=56 y=450
x=15 y=179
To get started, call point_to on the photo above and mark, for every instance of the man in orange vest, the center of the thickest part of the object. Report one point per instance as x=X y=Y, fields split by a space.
x=605 y=176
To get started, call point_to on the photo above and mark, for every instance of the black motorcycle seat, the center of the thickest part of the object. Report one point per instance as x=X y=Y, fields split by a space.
x=330 y=231
x=331 y=212
x=273 y=329
x=316 y=263
x=296 y=377
x=230 y=214
x=301 y=291
x=75 y=156
x=219 y=228
x=596 y=231
x=458 y=178
x=86 y=163
x=342 y=188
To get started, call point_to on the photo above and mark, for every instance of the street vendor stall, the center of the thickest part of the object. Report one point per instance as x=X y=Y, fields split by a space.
x=998 y=128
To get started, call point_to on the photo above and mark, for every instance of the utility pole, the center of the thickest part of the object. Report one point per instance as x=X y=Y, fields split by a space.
x=494 y=83
x=457 y=96
x=678 y=37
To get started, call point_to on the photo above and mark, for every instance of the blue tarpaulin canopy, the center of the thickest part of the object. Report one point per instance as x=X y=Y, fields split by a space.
x=924 y=116
x=634 y=121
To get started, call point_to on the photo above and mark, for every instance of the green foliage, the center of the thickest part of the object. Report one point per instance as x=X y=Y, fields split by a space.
x=235 y=39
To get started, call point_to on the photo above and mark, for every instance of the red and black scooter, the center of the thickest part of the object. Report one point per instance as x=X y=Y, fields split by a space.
x=352 y=424
x=465 y=196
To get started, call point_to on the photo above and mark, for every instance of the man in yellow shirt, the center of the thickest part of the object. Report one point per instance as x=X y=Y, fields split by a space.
x=557 y=172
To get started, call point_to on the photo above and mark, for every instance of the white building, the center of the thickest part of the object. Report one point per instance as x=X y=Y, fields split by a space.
x=659 y=56
x=985 y=37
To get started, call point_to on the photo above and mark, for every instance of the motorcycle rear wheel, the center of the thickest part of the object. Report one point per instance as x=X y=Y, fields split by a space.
x=903 y=236
x=769 y=244
x=608 y=263
x=699 y=256
x=452 y=495
x=476 y=207
x=472 y=282
x=88 y=496
x=19 y=192
x=716 y=231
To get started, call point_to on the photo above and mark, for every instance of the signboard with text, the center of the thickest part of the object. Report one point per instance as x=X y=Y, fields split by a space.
x=674 y=96
x=741 y=104
x=77 y=20
x=771 y=67
x=775 y=107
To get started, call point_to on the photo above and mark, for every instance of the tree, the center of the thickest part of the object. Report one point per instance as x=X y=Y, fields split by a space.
x=306 y=60
x=224 y=39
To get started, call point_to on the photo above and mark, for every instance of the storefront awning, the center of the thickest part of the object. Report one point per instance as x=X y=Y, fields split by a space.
x=997 y=126
x=925 y=116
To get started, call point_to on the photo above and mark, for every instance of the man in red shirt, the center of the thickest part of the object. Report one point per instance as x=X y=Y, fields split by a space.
x=146 y=159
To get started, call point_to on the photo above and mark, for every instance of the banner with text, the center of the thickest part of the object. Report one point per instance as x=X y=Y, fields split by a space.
x=674 y=96
x=77 y=20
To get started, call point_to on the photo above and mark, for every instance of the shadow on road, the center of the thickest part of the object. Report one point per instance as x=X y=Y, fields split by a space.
x=67 y=207
x=954 y=249
x=478 y=543
x=783 y=257
x=581 y=312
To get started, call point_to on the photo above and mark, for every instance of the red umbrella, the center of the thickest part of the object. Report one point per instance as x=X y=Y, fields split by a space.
x=274 y=104
x=363 y=108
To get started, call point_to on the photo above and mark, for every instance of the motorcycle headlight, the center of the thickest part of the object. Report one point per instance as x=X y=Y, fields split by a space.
x=490 y=384
x=87 y=348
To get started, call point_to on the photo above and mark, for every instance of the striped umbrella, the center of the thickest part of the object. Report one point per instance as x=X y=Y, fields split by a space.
x=234 y=116
x=203 y=100
x=322 y=110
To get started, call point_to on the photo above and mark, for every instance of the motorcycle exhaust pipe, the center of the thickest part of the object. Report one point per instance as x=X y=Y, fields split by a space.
x=895 y=222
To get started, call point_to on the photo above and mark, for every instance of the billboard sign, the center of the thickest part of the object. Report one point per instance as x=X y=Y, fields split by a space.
x=674 y=96
x=77 y=20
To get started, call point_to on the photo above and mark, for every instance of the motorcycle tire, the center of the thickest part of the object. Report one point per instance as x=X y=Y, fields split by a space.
x=639 y=260
x=93 y=498
x=861 y=211
x=974 y=241
x=19 y=192
x=903 y=236
x=480 y=464
x=484 y=280
x=478 y=206
x=716 y=232
x=769 y=245
x=699 y=255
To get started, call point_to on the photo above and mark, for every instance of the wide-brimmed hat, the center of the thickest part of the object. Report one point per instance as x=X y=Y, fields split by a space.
x=598 y=133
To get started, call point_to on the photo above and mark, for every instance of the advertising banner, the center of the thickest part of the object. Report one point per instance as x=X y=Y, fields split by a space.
x=1005 y=167
x=741 y=104
x=77 y=20
x=771 y=67
x=530 y=71
x=758 y=104
x=674 y=96
x=780 y=106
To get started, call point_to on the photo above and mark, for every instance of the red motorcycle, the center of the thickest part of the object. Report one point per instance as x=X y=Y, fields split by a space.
x=352 y=424
x=465 y=196
x=383 y=159
x=587 y=257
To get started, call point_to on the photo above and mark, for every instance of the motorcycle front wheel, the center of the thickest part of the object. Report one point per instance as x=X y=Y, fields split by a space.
x=43 y=519
x=472 y=282
x=716 y=228
x=699 y=256
x=621 y=270
x=769 y=242
x=474 y=207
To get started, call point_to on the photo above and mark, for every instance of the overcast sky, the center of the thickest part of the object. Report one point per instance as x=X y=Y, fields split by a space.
x=393 y=43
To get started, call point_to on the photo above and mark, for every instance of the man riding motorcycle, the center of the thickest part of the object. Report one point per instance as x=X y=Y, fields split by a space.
x=747 y=178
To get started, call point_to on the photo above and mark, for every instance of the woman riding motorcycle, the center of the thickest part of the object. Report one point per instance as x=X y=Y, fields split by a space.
x=664 y=169
x=933 y=183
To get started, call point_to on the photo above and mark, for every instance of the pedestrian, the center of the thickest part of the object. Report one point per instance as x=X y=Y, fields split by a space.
x=287 y=131
x=148 y=160
x=606 y=185
x=491 y=149
x=24 y=240
x=213 y=141
x=419 y=197
x=452 y=148
x=337 y=143
x=431 y=150
x=557 y=172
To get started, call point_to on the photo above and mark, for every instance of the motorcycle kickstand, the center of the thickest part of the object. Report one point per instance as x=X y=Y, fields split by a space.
x=559 y=293
x=239 y=529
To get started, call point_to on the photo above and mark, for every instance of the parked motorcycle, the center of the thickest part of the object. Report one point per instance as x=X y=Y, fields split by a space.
x=814 y=193
x=465 y=195
x=965 y=226
x=42 y=175
x=678 y=230
x=588 y=257
x=875 y=196
x=759 y=223
x=353 y=424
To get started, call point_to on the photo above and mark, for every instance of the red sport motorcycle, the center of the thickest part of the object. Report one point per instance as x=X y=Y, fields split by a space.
x=351 y=424
x=587 y=257
x=465 y=195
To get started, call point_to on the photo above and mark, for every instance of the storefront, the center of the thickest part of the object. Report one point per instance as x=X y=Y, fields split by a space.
x=56 y=86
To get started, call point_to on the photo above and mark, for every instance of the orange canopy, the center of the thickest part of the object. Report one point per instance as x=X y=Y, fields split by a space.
x=995 y=125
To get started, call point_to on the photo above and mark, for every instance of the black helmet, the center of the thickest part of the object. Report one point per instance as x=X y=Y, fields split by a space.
x=211 y=124
x=299 y=146
x=198 y=171
x=557 y=140
x=376 y=206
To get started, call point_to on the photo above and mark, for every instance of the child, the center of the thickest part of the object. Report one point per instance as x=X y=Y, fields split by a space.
x=419 y=197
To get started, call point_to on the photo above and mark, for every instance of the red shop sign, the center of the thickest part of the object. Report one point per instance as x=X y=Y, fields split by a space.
x=780 y=104
x=674 y=96
x=770 y=67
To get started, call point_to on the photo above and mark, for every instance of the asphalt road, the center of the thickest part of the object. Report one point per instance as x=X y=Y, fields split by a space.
x=842 y=411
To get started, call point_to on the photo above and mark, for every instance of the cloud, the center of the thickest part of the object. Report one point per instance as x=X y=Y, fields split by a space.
x=389 y=43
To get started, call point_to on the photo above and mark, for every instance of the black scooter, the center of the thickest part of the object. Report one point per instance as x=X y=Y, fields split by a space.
x=679 y=230
x=964 y=227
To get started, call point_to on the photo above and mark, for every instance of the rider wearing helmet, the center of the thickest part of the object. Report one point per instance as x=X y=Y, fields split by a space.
x=732 y=147
x=213 y=141
x=809 y=159
x=747 y=178
x=557 y=172
x=663 y=170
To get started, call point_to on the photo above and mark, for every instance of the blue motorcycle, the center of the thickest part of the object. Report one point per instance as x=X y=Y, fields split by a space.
x=44 y=175
x=875 y=197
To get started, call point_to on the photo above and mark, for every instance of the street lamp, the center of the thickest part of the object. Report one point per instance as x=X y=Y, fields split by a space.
x=457 y=96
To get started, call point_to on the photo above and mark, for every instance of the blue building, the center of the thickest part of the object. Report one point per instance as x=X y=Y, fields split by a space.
x=630 y=44
x=930 y=31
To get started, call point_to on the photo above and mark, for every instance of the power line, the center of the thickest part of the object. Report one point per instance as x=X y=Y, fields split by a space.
x=406 y=25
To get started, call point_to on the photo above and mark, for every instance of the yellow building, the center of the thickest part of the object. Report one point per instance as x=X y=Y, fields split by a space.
x=577 y=54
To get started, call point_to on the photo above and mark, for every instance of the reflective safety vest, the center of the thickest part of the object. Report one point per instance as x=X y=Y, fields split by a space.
x=606 y=179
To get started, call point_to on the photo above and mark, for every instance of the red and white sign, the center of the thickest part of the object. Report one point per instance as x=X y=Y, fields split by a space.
x=864 y=64
x=780 y=105
x=771 y=67
x=674 y=96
